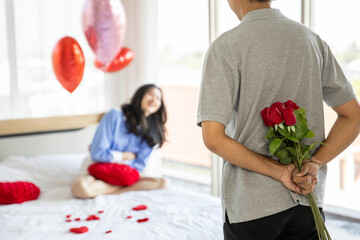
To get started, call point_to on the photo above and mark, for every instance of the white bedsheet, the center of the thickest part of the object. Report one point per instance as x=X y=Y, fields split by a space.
x=173 y=213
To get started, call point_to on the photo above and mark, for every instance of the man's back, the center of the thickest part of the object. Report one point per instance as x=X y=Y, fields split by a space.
x=267 y=58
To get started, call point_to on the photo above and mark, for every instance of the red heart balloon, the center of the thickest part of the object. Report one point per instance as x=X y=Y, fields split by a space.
x=68 y=63
x=122 y=59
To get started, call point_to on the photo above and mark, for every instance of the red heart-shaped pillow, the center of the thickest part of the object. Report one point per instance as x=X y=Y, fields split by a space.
x=18 y=192
x=114 y=173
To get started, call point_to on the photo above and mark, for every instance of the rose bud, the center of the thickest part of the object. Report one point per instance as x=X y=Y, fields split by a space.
x=275 y=115
x=289 y=116
x=267 y=122
x=291 y=104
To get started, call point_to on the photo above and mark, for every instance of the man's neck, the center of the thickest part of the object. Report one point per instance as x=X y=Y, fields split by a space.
x=250 y=6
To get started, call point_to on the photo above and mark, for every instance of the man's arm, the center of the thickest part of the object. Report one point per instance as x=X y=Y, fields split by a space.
x=343 y=132
x=219 y=143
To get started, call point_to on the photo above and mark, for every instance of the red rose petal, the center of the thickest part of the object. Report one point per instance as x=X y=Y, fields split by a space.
x=77 y=219
x=79 y=230
x=108 y=231
x=128 y=217
x=143 y=220
x=101 y=211
x=68 y=220
x=92 y=217
x=67 y=216
x=140 y=207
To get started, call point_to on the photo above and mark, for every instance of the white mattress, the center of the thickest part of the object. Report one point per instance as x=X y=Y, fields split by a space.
x=173 y=213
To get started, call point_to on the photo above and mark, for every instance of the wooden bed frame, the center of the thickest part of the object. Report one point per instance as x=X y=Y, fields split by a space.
x=47 y=124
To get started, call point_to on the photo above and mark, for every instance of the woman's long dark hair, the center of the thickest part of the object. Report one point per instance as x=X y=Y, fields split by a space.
x=151 y=128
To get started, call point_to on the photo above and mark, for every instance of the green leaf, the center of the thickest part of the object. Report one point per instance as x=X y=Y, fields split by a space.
x=301 y=132
x=286 y=161
x=309 y=134
x=287 y=135
x=284 y=156
x=292 y=151
x=304 y=148
x=274 y=145
x=300 y=117
x=270 y=133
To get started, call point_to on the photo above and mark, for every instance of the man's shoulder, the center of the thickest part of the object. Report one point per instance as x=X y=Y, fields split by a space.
x=225 y=41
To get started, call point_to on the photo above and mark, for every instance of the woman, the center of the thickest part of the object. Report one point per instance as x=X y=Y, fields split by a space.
x=126 y=136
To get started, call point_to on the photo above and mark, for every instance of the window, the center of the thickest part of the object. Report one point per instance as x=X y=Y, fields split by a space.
x=182 y=46
x=5 y=99
x=35 y=91
x=227 y=20
x=291 y=9
x=334 y=24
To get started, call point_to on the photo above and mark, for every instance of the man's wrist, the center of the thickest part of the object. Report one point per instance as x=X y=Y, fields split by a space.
x=317 y=161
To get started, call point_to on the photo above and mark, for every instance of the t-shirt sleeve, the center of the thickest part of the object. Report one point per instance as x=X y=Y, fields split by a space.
x=336 y=88
x=219 y=88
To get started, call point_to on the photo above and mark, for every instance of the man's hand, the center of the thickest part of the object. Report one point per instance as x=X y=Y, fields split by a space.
x=296 y=181
x=307 y=178
x=286 y=178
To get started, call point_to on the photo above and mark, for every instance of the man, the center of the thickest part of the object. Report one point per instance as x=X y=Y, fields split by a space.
x=269 y=58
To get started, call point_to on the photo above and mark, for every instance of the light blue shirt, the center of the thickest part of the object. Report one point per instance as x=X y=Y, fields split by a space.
x=112 y=135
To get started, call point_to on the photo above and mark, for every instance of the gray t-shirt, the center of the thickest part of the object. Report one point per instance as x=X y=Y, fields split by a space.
x=265 y=59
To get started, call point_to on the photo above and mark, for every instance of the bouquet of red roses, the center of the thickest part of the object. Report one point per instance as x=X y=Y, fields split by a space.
x=287 y=127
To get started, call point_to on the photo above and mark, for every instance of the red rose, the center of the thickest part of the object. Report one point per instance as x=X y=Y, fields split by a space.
x=274 y=113
x=291 y=105
x=289 y=116
x=280 y=106
x=275 y=116
x=266 y=120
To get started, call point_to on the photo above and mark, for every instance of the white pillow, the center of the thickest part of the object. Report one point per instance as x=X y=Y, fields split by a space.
x=43 y=170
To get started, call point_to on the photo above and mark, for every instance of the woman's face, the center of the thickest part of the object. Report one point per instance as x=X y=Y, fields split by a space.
x=151 y=102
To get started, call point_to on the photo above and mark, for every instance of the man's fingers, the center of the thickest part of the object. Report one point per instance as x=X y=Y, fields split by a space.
x=302 y=180
x=303 y=172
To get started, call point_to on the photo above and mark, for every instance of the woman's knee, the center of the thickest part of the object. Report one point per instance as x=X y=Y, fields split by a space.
x=80 y=188
x=165 y=182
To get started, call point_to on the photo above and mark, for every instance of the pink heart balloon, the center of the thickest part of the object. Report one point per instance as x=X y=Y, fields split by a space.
x=104 y=25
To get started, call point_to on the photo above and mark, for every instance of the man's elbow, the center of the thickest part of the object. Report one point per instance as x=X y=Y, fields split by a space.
x=213 y=135
x=211 y=144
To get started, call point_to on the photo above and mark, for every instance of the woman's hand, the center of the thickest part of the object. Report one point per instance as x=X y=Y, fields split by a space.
x=128 y=155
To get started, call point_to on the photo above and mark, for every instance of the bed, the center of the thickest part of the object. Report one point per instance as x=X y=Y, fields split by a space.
x=171 y=213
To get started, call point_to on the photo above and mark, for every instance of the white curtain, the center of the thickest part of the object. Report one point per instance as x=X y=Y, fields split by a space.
x=141 y=38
